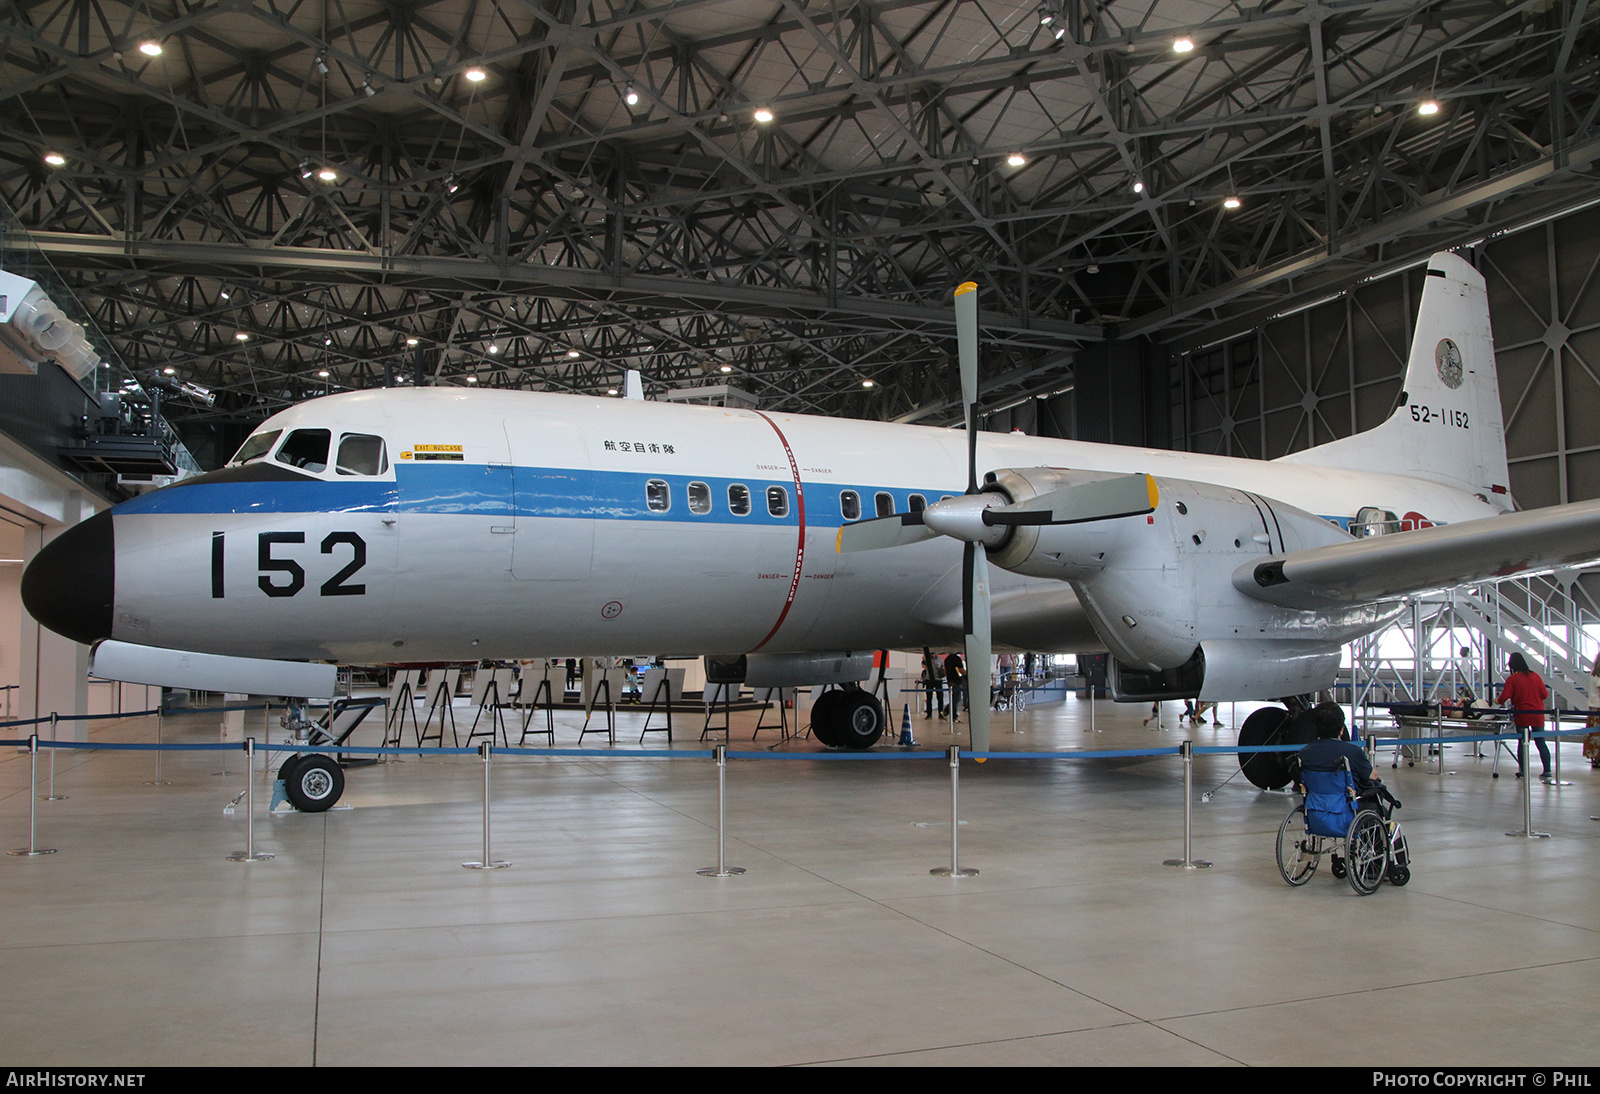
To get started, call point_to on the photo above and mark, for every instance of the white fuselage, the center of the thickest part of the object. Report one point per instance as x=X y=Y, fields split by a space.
x=513 y=524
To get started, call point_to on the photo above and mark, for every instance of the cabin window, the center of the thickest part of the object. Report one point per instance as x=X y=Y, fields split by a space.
x=658 y=495
x=699 y=498
x=885 y=503
x=362 y=454
x=306 y=449
x=849 y=505
x=918 y=503
x=739 y=499
x=777 y=501
x=256 y=447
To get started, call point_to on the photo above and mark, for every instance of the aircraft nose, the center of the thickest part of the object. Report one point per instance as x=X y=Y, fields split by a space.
x=70 y=585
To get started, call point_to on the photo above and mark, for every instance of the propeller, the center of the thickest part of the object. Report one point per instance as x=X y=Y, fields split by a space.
x=983 y=520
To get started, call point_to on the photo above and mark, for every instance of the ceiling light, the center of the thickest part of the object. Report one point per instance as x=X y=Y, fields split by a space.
x=867 y=383
x=150 y=49
x=1047 y=15
x=54 y=159
x=411 y=341
x=169 y=371
x=327 y=339
x=226 y=294
x=327 y=174
x=1183 y=45
x=1016 y=159
x=611 y=391
x=1059 y=32
x=727 y=368
x=322 y=373
x=1091 y=268
x=306 y=170
x=451 y=185
x=476 y=75
x=763 y=115
x=1427 y=108
x=572 y=353
x=366 y=87
x=472 y=379
x=630 y=96
x=1231 y=202
x=322 y=64
x=240 y=336
x=1138 y=186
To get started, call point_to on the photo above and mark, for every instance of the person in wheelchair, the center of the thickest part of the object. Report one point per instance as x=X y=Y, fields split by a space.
x=1332 y=751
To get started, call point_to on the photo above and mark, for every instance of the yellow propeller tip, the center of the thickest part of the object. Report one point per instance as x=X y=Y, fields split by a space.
x=966 y=287
x=1155 y=495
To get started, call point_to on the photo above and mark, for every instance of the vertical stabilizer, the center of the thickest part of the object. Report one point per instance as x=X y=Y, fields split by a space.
x=1447 y=428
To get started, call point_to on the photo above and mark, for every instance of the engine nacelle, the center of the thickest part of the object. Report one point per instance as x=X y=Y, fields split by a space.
x=1159 y=590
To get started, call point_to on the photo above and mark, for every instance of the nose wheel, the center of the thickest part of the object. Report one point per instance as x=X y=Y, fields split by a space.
x=312 y=783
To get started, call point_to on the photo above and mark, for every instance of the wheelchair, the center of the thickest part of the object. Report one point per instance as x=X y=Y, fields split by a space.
x=1359 y=835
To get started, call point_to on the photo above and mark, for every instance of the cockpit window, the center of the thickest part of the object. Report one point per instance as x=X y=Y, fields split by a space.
x=256 y=447
x=306 y=449
x=362 y=454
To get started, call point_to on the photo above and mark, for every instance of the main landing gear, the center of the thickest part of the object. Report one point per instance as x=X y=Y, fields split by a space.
x=1274 y=726
x=850 y=718
x=312 y=783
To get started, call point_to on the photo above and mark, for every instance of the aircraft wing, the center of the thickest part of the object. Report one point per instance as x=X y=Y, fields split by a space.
x=1384 y=567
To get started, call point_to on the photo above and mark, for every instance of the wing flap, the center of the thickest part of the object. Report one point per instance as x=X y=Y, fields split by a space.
x=1384 y=567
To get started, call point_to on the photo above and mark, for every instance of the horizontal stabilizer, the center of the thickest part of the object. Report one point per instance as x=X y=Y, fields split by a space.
x=136 y=664
x=1403 y=563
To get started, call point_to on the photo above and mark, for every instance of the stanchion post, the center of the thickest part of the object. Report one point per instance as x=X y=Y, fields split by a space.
x=250 y=854
x=33 y=847
x=955 y=869
x=486 y=751
x=158 y=780
x=721 y=869
x=1527 y=790
x=1555 y=777
x=54 y=736
x=1188 y=861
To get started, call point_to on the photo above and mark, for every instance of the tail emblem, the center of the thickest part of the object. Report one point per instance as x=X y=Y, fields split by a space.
x=1448 y=357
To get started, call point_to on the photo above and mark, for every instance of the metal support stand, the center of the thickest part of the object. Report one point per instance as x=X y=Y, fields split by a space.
x=1527 y=793
x=486 y=863
x=250 y=854
x=1188 y=861
x=721 y=869
x=158 y=780
x=955 y=869
x=53 y=796
x=33 y=847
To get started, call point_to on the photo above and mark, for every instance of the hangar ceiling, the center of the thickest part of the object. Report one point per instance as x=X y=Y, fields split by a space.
x=541 y=193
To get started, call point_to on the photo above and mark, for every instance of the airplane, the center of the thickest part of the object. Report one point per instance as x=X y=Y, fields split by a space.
x=443 y=524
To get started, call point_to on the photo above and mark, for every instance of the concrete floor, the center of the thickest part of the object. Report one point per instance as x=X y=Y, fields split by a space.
x=365 y=942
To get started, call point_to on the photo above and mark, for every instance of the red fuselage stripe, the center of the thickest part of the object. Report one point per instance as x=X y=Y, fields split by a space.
x=800 y=540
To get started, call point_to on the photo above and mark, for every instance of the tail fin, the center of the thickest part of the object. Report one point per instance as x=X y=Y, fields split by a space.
x=1448 y=427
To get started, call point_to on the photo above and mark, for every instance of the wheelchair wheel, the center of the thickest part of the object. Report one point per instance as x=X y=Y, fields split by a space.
x=1298 y=850
x=1399 y=858
x=1367 y=852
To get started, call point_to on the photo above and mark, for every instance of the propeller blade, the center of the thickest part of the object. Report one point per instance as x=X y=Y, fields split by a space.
x=898 y=530
x=1124 y=496
x=967 y=358
x=978 y=643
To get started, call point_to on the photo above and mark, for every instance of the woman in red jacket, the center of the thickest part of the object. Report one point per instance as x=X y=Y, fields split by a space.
x=1526 y=693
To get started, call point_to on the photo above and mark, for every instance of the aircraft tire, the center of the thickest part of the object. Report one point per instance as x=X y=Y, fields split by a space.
x=286 y=771
x=861 y=721
x=1272 y=726
x=826 y=718
x=316 y=784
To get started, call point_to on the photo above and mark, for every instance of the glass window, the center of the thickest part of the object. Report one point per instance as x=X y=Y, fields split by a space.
x=849 y=505
x=658 y=495
x=362 y=454
x=699 y=498
x=739 y=499
x=918 y=503
x=777 y=501
x=885 y=503
x=306 y=449
x=256 y=447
